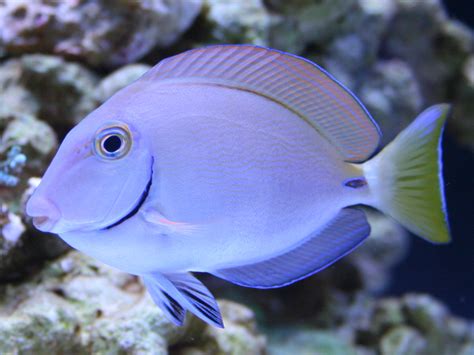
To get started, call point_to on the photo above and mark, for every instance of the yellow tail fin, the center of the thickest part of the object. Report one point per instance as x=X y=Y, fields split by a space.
x=406 y=179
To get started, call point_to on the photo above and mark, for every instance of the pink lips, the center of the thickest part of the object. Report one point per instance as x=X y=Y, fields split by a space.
x=44 y=213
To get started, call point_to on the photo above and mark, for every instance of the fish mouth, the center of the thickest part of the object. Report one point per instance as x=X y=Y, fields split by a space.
x=43 y=223
x=139 y=204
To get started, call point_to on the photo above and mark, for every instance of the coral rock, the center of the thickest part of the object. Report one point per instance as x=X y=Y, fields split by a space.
x=392 y=96
x=26 y=146
x=307 y=341
x=403 y=340
x=442 y=49
x=462 y=126
x=22 y=248
x=48 y=87
x=118 y=80
x=76 y=305
x=241 y=21
x=98 y=32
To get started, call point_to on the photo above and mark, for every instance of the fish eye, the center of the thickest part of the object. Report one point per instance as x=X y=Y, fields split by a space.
x=113 y=142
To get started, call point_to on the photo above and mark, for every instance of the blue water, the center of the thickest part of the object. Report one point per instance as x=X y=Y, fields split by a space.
x=461 y=10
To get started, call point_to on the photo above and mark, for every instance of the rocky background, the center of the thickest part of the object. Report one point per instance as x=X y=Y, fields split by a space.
x=61 y=59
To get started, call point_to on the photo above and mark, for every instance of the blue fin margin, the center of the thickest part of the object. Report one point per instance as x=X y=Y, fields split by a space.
x=319 y=250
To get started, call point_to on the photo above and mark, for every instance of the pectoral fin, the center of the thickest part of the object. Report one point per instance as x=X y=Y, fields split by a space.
x=173 y=310
x=198 y=298
x=317 y=251
x=174 y=293
x=154 y=217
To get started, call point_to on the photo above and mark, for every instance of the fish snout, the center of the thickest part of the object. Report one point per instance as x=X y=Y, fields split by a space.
x=44 y=213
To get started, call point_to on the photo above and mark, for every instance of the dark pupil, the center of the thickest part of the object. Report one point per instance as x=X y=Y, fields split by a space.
x=112 y=144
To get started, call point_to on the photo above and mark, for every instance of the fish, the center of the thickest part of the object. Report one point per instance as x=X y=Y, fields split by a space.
x=240 y=161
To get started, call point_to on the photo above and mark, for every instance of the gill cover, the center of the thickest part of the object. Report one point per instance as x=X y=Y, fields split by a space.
x=94 y=180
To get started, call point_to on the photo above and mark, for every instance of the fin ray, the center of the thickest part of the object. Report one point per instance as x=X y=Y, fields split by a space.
x=155 y=218
x=407 y=180
x=319 y=250
x=200 y=300
x=173 y=310
x=174 y=293
x=295 y=83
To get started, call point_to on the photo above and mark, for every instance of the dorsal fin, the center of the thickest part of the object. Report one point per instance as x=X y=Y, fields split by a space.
x=296 y=83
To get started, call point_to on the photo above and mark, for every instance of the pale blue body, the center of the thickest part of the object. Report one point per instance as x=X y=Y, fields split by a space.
x=253 y=178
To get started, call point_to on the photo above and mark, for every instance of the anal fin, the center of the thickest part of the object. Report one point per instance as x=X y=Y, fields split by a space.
x=317 y=251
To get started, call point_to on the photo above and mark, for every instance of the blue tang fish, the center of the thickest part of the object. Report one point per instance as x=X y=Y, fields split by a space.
x=239 y=161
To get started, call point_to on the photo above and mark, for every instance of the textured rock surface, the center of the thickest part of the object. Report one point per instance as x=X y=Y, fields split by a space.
x=222 y=21
x=313 y=21
x=47 y=87
x=76 y=305
x=236 y=21
x=463 y=124
x=118 y=80
x=68 y=307
x=240 y=335
x=392 y=95
x=26 y=145
x=98 y=32
x=420 y=324
x=15 y=97
x=33 y=137
x=22 y=248
x=67 y=97
x=413 y=324
x=307 y=341
x=344 y=36
x=26 y=139
x=386 y=246
x=442 y=49
x=439 y=58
